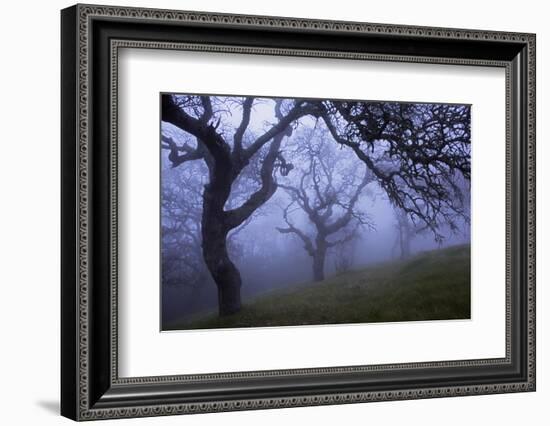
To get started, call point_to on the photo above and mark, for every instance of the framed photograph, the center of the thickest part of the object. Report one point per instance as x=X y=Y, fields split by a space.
x=263 y=212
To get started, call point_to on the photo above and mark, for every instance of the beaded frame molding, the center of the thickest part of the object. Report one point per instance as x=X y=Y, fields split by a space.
x=91 y=39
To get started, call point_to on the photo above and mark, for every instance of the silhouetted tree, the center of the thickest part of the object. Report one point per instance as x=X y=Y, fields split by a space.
x=226 y=156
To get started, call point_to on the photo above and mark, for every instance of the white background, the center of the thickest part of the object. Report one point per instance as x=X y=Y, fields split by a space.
x=29 y=225
x=146 y=352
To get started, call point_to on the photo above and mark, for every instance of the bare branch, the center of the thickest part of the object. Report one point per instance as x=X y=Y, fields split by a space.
x=189 y=154
x=239 y=133
x=415 y=151
x=282 y=126
x=268 y=187
x=308 y=245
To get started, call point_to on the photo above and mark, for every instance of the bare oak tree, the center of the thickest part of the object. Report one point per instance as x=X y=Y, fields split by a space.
x=225 y=154
x=327 y=189
x=406 y=231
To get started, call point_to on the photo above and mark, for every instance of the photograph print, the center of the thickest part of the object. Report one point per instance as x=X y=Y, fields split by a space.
x=292 y=211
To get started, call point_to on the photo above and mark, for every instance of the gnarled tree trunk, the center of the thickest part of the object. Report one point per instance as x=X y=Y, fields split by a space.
x=215 y=228
x=319 y=267
x=223 y=271
x=319 y=259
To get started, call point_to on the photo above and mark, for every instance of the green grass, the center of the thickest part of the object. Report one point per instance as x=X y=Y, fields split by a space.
x=433 y=285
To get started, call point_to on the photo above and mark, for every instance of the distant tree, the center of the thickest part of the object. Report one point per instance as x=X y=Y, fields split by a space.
x=327 y=189
x=405 y=233
x=344 y=257
x=221 y=145
x=181 y=209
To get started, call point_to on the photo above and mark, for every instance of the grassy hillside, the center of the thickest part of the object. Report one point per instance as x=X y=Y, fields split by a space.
x=429 y=286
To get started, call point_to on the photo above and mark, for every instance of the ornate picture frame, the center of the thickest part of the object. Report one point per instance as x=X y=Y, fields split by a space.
x=91 y=37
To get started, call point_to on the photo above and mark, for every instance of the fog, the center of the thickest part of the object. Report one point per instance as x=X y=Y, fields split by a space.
x=268 y=248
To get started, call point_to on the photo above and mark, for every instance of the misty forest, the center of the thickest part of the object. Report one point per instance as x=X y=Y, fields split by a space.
x=282 y=211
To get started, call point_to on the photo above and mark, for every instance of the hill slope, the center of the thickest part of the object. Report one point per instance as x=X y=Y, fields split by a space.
x=429 y=286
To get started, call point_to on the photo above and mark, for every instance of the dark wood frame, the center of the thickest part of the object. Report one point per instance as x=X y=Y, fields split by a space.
x=90 y=386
